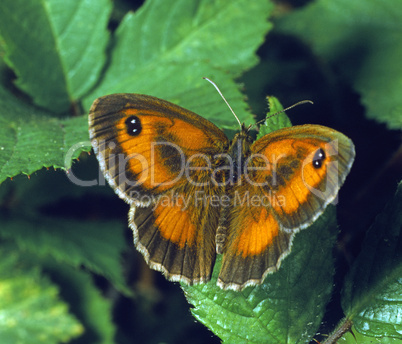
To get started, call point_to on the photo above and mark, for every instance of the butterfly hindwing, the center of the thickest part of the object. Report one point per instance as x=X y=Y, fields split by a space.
x=176 y=238
x=254 y=243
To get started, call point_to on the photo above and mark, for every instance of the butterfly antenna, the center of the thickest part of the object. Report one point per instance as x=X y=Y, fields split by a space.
x=279 y=112
x=291 y=107
x=219 y=91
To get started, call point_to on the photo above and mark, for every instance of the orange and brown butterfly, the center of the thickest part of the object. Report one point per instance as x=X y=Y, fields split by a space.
x=194 y=194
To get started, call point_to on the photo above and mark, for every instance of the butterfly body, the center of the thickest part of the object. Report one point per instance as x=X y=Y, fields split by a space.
x=194 y=194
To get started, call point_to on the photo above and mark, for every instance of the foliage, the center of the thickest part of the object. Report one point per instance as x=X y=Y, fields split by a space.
x=68 y=272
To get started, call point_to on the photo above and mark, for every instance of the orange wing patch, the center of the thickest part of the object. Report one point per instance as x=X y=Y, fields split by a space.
x=144 y=143
x=292 y=172
x=294 y=185
x=141 y=152
x=158 y=156
x=258 y=232
x=307 y=166
x=137 y=153
x=175 y=238
x=255 y=245
x=174 y=224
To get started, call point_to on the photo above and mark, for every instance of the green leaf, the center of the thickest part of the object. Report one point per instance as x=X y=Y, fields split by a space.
x=289 y=305
x=372 y=293
x=86 y=303
x=96 y=245
x=280 y=120
x=165 y=49
x=53 y=186
x=357 y=338
x=363 y=39
x=30 y=139
x=171 y=49
x=56 y=48
x=30 y=306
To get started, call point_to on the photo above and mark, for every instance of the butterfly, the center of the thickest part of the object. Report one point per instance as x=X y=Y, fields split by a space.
x=194 y=194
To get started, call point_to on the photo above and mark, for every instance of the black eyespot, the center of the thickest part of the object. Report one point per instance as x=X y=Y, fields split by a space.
x=133 y=125
x=318 y=159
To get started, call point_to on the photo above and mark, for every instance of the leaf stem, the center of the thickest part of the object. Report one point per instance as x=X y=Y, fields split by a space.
x=344 y=326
